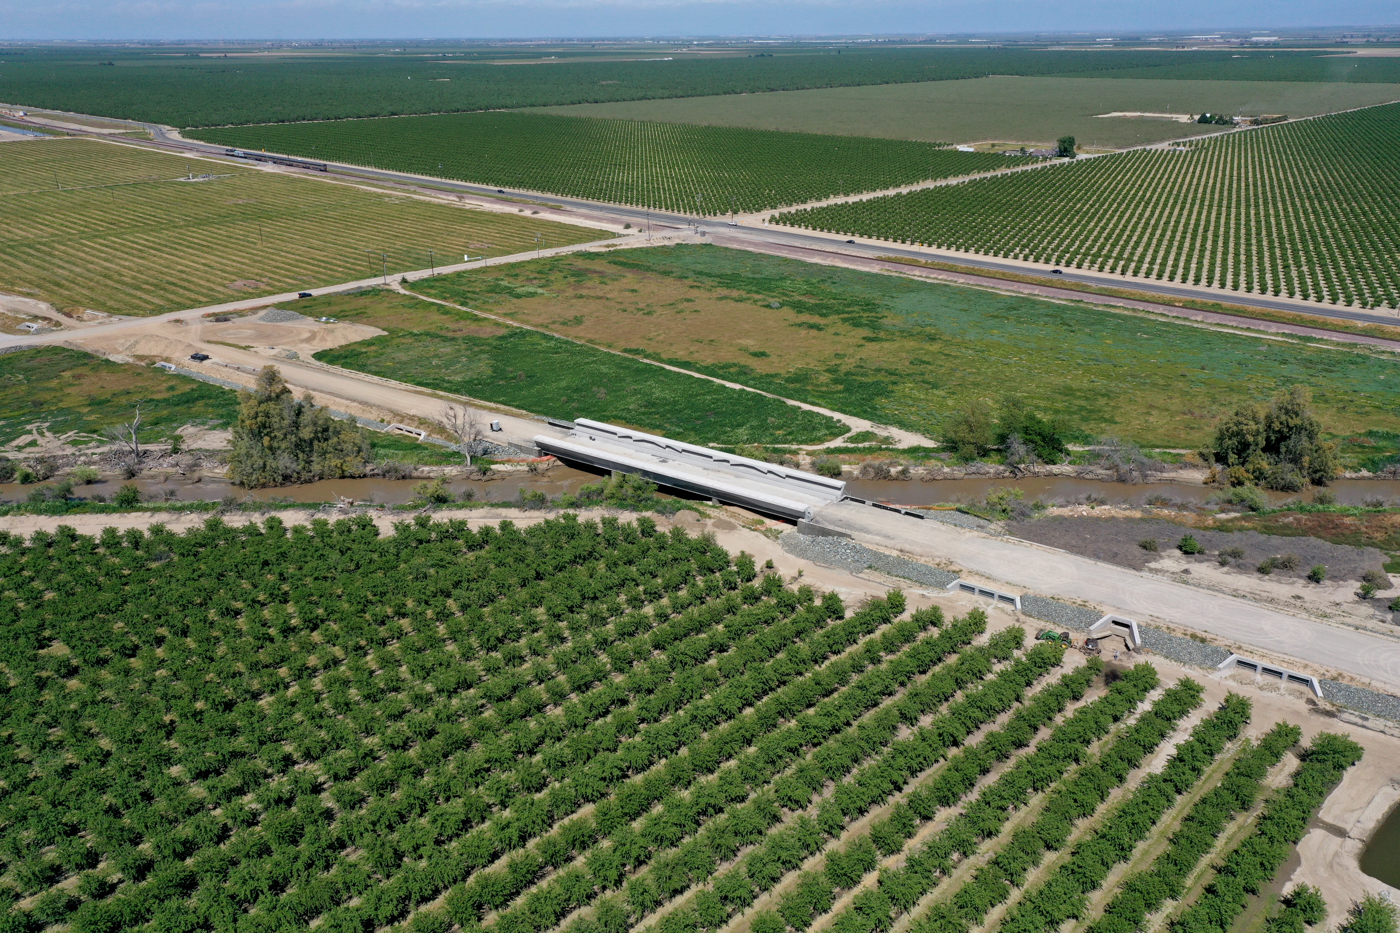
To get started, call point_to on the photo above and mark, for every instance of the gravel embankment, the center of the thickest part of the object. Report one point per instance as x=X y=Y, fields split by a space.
x=283 y=316
x=1058 y=614
x=1363 y=701
x=845 y=554
x=1185 y=650
x=960 y=519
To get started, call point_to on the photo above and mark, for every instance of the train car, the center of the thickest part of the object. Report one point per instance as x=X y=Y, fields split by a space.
x=276 y=159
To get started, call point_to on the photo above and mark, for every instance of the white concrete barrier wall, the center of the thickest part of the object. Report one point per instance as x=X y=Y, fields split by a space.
x=1273 y=670
x=986 y=592
x=1117 y=625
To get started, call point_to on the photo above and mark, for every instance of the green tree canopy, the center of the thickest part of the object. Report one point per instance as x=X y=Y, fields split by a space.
x=1045 y=437
x=1278 y=447
x=975 y=431
x=971 y=432
x=279 y=439
x=1065 y=147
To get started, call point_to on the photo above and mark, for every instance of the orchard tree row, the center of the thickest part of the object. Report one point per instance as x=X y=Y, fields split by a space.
x=586 y=726
x=694 y=170
x=1303 y=209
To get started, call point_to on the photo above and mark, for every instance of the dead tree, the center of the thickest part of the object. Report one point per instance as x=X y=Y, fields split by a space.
x=465 y=427
x=126 y=439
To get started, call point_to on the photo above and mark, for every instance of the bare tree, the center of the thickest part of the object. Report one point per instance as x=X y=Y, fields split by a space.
x=465 y=427
x=1020 y=456
x=1127 y=461
x=125 y=437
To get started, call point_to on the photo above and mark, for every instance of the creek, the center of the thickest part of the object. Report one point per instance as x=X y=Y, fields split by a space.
x=560 y=479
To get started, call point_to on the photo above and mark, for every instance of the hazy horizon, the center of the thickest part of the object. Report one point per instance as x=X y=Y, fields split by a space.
x=368 y=20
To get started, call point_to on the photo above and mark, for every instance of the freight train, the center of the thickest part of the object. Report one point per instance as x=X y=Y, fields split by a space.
x=275 y=159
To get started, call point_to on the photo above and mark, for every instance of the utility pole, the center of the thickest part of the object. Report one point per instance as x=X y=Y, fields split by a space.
x=384 y=257
x=432 y=268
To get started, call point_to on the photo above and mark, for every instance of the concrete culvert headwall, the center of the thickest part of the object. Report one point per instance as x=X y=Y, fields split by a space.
x=703 y=471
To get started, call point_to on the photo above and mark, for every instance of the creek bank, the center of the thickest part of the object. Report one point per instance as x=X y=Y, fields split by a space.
x=191 y=478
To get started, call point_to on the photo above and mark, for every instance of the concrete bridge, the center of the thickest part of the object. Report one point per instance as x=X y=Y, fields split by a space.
x=753 y=484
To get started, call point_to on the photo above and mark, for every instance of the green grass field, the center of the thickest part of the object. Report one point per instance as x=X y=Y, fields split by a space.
x=1002 y=107
x=438 y=348
x=688 y=169
x=66 y=390
x=113 y=228
x=908 y=353
x=1303 y=209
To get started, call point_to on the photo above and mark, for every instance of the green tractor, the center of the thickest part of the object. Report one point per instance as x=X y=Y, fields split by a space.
x=1062 y=638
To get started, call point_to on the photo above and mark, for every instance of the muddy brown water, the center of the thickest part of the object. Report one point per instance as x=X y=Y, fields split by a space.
x=504 y=487
x=560 y=479
x=1381 y=857
x=1069 y=488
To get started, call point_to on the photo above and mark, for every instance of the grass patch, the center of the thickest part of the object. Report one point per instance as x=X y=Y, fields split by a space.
x=439 y=348
x=1260 y=314
x=404 y=449
x=1372 y=450
x=909 y=353
x=1358 y=527
x=41 y=130
x=96 y=225
x=67 y=390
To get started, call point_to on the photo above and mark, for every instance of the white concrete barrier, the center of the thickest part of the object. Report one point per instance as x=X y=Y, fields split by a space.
x=1117 y=625
x=1273 y=670
x=996 y=596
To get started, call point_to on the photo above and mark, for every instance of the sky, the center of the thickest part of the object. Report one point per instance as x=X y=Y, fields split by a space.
x=489 y=19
